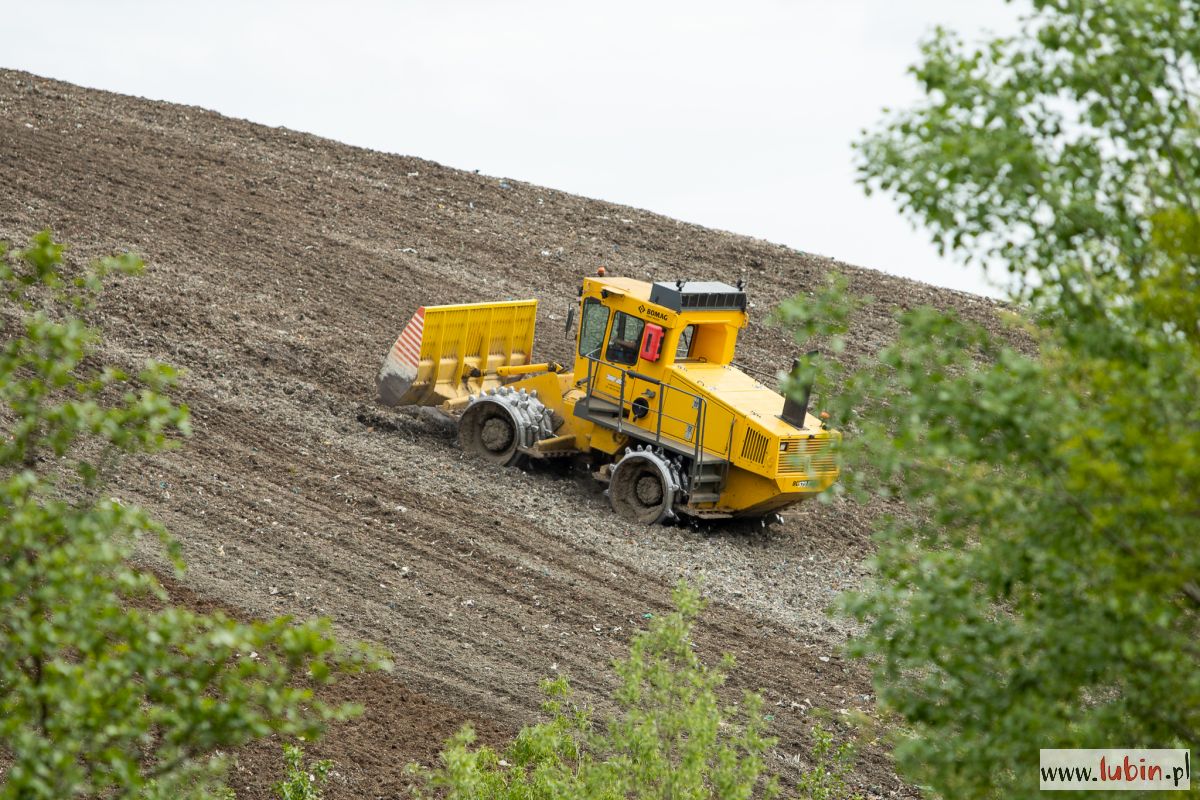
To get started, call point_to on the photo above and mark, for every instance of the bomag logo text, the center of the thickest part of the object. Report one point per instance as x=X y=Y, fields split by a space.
x=650 y=312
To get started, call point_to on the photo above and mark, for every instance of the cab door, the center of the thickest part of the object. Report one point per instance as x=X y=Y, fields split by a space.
x=618 y=356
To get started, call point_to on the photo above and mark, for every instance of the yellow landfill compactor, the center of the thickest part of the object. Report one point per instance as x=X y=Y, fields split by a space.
x=654 y=405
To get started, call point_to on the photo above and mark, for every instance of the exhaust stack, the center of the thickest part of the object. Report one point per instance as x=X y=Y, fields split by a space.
x=794 y=412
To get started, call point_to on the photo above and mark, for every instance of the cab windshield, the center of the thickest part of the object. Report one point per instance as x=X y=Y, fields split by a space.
x=591 y=328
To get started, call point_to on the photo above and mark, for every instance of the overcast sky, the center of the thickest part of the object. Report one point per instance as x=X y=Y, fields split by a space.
x=734 y=115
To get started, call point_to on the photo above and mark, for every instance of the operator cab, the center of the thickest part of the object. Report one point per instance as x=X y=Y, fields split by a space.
x=634 y=324
x=630 y=334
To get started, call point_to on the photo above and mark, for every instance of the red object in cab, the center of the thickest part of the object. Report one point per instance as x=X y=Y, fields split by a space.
x=652 y=342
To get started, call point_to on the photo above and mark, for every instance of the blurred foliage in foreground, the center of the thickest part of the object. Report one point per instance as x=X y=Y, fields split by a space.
x=1045 y=590
x=105 y=690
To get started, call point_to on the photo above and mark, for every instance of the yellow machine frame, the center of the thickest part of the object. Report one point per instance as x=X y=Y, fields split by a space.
x=737 y=451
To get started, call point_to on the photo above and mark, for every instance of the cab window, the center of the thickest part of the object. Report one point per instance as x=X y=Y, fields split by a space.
x=591 y=327
x=684 y=348
x=624 y=340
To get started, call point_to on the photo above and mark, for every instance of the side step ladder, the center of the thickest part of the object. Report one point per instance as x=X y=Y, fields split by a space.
x=707 y=481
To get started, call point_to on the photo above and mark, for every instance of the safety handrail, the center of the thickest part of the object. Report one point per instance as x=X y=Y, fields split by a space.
x=698 y=422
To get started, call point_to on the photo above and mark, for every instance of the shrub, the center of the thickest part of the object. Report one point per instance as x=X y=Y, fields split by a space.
x=671 y=737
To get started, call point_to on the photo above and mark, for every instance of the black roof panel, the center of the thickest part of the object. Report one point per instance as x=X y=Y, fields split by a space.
x=697 y=295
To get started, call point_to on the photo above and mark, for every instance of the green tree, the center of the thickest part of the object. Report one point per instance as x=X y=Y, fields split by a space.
x=671 y=738
x=102 y=695
x=1044 y=588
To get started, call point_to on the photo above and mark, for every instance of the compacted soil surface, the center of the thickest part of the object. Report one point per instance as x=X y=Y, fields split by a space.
x=281 y=267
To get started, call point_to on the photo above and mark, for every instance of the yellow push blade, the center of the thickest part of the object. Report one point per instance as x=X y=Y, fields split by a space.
x=450 y=352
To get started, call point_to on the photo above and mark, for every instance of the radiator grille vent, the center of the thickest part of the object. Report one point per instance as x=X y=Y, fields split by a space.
x=806 y=456
x=754 y=446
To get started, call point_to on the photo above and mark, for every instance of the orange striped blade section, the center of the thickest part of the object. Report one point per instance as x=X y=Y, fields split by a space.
x=408 y=347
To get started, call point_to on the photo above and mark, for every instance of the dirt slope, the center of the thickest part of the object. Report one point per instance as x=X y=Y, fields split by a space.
x=282 y=267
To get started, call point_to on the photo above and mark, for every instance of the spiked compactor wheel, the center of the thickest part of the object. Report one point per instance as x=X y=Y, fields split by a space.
x=487 y=431
x=644 y=486
x=499 y=426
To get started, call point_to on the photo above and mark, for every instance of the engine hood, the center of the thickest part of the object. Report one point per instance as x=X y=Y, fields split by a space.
x=741 y=394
